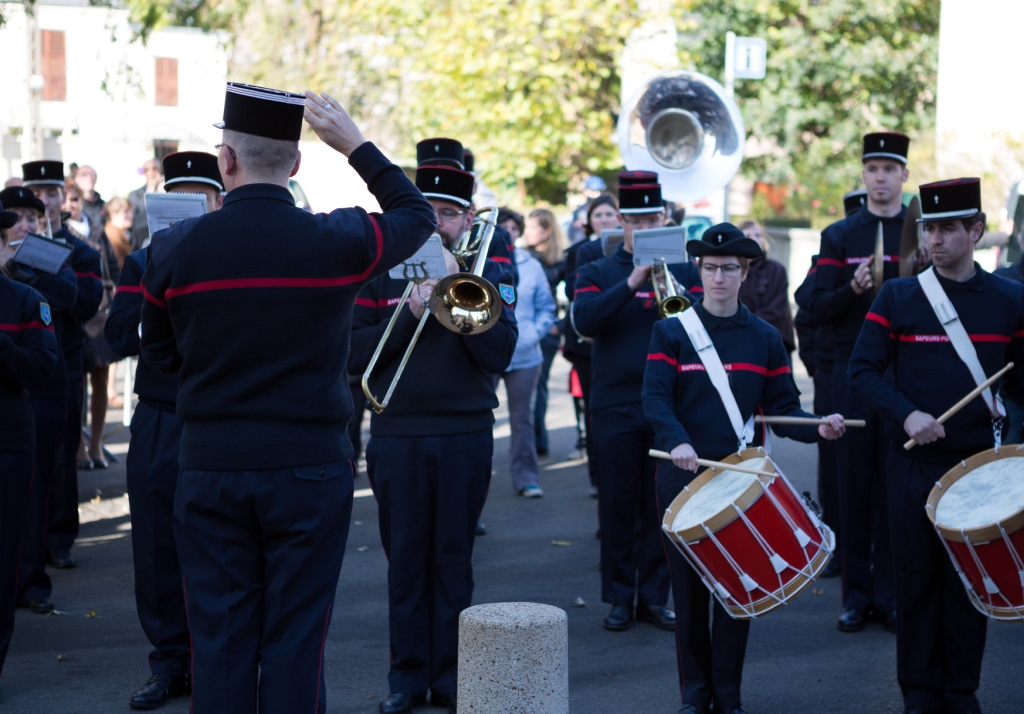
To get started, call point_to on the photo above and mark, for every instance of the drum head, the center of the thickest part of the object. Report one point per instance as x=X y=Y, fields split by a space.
x=708 y=500
x=976 y=497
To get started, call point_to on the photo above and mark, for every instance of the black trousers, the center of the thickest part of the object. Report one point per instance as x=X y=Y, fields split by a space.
x=430 y=491
x=33 y=582
x=260 y=555
x=710 y=644
x=63 y=506
x=828 y=477
x=582 y=365
x=940 y=637
x=152 y=468
x=15 y=481
x=864 y=548
x=633 y=565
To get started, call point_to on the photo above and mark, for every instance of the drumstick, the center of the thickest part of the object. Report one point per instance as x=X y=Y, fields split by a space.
x=809 y=421
x=966 y=400
x=718 y=465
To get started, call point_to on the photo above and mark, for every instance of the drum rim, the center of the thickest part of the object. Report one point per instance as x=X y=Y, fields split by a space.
x=980 y=534
x=791 y=589
x=727 y=515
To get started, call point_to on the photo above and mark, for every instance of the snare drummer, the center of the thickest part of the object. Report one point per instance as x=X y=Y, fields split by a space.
x=689 y=417
x=940 y=638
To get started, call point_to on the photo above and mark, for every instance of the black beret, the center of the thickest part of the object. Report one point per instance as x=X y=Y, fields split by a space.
x=958 y=198
x=192 y=167
x=270 y=113
x=724 y=239
x=43 y=173
x=440 y=152
x=21 y=197
x=7 y=218
x=886 y=145
x=446 y=183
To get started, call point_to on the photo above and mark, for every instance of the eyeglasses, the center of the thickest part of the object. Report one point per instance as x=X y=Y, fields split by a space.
x=231 y=151
x=709 y=270
x=449 y=214
x=649 y=220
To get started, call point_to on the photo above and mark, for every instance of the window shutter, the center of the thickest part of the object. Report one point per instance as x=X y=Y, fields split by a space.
x=166 y=82
x=54 y=77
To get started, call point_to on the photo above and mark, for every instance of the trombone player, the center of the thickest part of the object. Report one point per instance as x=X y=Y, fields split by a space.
x=429 y=455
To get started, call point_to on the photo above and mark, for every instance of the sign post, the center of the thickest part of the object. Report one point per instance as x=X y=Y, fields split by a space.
x=745 y=58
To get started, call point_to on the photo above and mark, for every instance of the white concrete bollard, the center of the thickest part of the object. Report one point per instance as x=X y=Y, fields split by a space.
x=513 y=659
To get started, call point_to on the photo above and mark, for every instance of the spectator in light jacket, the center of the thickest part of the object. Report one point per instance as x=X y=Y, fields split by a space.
x=535 y=314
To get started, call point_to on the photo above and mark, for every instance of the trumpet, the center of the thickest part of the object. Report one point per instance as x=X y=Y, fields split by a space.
x=670 y=302
x=465 y=302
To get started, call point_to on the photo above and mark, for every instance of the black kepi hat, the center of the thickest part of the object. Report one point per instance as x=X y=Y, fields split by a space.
x=192 y=167
x=270 y=113
x=43 y=173
x=639 y=192
x=21 y=197
x=889 y=145
x=724 y=239
x=958 y=198
x=441 y=152
x=468 y=160
x=7 y=218
x=854 y=201
x=446 y=183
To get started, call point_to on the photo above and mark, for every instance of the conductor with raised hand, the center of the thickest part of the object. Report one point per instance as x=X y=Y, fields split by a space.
x=264 y=496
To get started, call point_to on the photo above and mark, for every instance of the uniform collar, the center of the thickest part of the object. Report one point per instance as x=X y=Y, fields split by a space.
x=864 y=216
x=741 y=317
x=976 y=283
x=622 y=255
x=259 y=190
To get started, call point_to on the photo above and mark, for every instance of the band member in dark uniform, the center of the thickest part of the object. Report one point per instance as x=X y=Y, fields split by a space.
x=49 y=402
x=614 y=304
x=690 y=419
x=28 y=356
x=264 y=495
x=940 y=637
x=429 y=456
x=46 y=180
x=843 y=291
x=152 y=463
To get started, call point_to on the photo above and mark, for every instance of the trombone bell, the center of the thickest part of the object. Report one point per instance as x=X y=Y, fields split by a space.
x=464 y=303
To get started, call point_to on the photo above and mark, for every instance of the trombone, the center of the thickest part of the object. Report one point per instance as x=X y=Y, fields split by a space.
x=415 y=273
x=670 y=302
x=465 y=302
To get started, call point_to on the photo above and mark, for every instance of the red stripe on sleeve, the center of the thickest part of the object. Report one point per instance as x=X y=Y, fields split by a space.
x=36 y=326
x=9 y=327
x=746 y=367
x=697 y=289
x=365 y=302
x=991 y=338
x=879 y=319
x=152 y=298
x=500 y=259
x=777 y=372
x=589 y=289
x=129 y=289
x=94 y=276
x=662 y=357
x=1018 y=334
x=831 y=261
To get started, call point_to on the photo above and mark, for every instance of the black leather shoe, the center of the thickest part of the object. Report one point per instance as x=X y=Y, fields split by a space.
x=443 y=701
x=832 y=570
x=60 y=558
x=657 y=615
x=692 y=709
x=618 y=618
x=481 y=529
x=40 y=605
x=155 y=693
x=401 y=703
x=851 y=621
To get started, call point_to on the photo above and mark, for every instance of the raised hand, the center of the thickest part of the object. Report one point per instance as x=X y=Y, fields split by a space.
x=332 y=123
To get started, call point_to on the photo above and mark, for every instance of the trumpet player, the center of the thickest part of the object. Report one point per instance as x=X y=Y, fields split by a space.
x=615 y=304
x=429 y=455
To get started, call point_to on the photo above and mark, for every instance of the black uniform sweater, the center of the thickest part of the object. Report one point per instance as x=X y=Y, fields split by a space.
x=252 y=305
x=448 y=385
x=59 y=292
x=844 y=246
x=620 y=320
x=682 y=404
x=122 y=334
x=28 y=356
x=85 y=262
x=903 y=332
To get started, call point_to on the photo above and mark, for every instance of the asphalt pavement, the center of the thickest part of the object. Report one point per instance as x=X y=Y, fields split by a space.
x=90 y=658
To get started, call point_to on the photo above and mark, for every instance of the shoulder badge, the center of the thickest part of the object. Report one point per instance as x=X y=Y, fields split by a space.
x=44 y=313
x=508 y=293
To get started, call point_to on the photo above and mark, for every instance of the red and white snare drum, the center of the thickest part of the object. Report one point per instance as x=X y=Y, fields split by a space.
x=977 y=508
x=753 y=540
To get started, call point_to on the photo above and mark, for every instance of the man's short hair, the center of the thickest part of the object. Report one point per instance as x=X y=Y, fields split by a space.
x=262 y=156
x=969 y=222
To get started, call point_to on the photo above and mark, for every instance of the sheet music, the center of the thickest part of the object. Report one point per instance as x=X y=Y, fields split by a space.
x=659 y=243
x=427 y=263
x=163 y=210
x=611 y=240
x=41 y=253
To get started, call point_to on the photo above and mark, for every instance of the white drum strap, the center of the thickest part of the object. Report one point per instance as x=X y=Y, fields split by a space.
x=958 y=337
x=705 y=348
